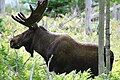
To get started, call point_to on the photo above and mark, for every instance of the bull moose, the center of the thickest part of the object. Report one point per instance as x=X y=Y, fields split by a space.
x=63 y=53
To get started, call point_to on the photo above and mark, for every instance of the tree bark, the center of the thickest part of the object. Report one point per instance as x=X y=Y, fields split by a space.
x=18 y=5
x=107 y=36
x=115 y=11
x=88 y=14
x=2 y=6
x=101 y=38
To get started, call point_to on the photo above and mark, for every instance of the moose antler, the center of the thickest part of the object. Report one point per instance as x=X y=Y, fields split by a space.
x=35 y=16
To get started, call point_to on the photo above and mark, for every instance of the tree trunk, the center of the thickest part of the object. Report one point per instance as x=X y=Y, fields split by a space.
x=101 y=38
x=114 y=12
x=88 y=14
x=107 y=36
x=2 y=6
x=118 y=15
x=18 y=5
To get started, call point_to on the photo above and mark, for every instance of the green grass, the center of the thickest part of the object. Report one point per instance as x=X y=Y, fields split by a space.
x=74 y=28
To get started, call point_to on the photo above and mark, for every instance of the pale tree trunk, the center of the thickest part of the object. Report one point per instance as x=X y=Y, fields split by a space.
x=101 y=38
x=88 y=13
x=18 y=5
x=2 y=6
x=114 y=12
x=107 y=36
x=118 y=15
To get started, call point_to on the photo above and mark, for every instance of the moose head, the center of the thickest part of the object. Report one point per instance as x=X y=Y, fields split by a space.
x=26 y=37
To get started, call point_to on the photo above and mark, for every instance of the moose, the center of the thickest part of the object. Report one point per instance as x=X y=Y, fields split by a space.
x=61 y=53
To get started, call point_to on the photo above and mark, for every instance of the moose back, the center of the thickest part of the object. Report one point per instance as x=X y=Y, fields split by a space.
x=67 y=54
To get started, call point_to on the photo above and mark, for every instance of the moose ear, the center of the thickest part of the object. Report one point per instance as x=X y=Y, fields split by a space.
x=34 y=26
x=29 y=49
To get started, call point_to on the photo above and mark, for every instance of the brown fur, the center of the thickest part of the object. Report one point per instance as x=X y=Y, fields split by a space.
x=68 y=54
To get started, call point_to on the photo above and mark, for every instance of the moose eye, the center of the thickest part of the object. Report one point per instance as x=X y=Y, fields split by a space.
x=12 y=41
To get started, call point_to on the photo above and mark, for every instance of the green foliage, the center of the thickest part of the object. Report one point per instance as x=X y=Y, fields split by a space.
x=79 y=3
x=59 y=6
x=115 y=2
x=8 y=9
x=73 y=76
x=28 y=1
x=1 y=25
x=10 y=64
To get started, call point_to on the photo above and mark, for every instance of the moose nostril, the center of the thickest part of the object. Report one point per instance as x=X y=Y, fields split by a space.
x=11 y=43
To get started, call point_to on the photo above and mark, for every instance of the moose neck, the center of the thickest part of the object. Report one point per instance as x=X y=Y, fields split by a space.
x=42 y=39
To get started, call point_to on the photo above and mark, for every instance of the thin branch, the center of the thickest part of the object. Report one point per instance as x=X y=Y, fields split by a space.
x=16 y=61
x=43 y=64
x=13 y=33
x=16 y=73
x=116 y=60
x=32 y=72
x=25 y=62
x=31 y=75
x=49 y=75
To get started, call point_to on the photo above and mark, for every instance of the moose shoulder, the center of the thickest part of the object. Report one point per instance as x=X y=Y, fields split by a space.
x=67 y=54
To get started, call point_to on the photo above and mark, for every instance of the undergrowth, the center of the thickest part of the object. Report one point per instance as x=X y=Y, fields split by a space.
x=12 y=62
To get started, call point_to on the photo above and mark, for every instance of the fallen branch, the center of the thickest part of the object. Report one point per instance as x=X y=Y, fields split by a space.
x=63 y=23
x=96 y=15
